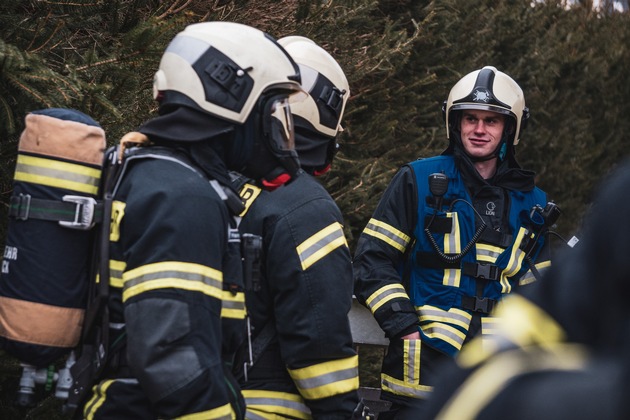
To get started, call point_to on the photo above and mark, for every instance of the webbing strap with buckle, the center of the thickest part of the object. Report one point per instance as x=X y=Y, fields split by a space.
x=481 y=271
x=478 y=304
x=73 y=211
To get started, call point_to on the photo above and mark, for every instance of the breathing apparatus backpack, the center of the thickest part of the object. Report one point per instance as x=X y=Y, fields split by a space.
x=45 y=269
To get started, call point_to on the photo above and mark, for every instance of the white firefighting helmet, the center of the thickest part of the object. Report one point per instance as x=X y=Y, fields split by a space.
x=223 y=68
x=490 y=90
x=324 y=80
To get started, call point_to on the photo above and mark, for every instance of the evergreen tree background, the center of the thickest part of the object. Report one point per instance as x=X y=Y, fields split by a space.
x=401 y=58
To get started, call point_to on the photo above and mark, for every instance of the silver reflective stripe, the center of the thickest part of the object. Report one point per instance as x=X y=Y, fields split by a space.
x=400 y=389
x=451 y=277
x=321 y=244
x=487 y=253
x=232 y=304
x=385 y=294
x=277 y=402
x=445 y=333
x=413 y=349
x=180 y=275
x=326 y=379
x=451 y=240
x=435 y=314
x=388 y=234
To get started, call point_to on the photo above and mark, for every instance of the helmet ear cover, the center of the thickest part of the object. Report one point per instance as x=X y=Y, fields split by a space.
x=525 y=118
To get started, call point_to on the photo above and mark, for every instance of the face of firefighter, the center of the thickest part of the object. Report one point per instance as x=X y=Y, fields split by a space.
x=481 y=132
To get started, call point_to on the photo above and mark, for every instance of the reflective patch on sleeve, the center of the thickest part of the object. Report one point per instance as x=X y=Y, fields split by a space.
x=327 y=379
x=321 y=244
x=175 y=275
x=388 y=234
x=385 y=294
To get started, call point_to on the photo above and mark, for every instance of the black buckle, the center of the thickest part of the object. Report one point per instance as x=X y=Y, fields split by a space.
x=478 y=304
x=487 y=271
x=481 y=271
x=20 y=206
x=333 y=98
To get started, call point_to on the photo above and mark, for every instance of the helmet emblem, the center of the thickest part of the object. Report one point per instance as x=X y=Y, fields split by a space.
x=482 y=95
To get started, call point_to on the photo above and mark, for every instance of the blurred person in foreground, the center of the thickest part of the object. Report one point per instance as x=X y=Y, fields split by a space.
x=562 y=348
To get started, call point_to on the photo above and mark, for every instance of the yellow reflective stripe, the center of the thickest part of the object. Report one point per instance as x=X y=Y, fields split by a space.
x=321 y=244
x=444 y=332
x=398 y=387
x=271 y=404
x=452 y=241
x=220 y=413
x=118 y=212
x=526 y=323
x=388 y=234
x=116 y=270
x=492 y=378
x=490 y=325
x=327 y=379
x=384 y=295
x=173 y=274
x=488 y=253
x=452 y=277
x=233 y=305
x=452 y=316
x=515 y=261
x=54 y=173
x=520 y=322
x=97 y=400
x=411 y=371
x=529 y=276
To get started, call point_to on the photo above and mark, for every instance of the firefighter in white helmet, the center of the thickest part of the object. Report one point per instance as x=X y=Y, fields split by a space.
x=449 y=238
x=223 y=91
x=302 y=363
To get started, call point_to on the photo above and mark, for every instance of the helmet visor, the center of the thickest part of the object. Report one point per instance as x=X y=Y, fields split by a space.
x=279 y=126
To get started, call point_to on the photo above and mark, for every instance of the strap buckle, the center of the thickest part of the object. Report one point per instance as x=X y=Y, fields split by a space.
x=478 y=304
x=83 y=213
x=481 y=270
x=20 y=206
